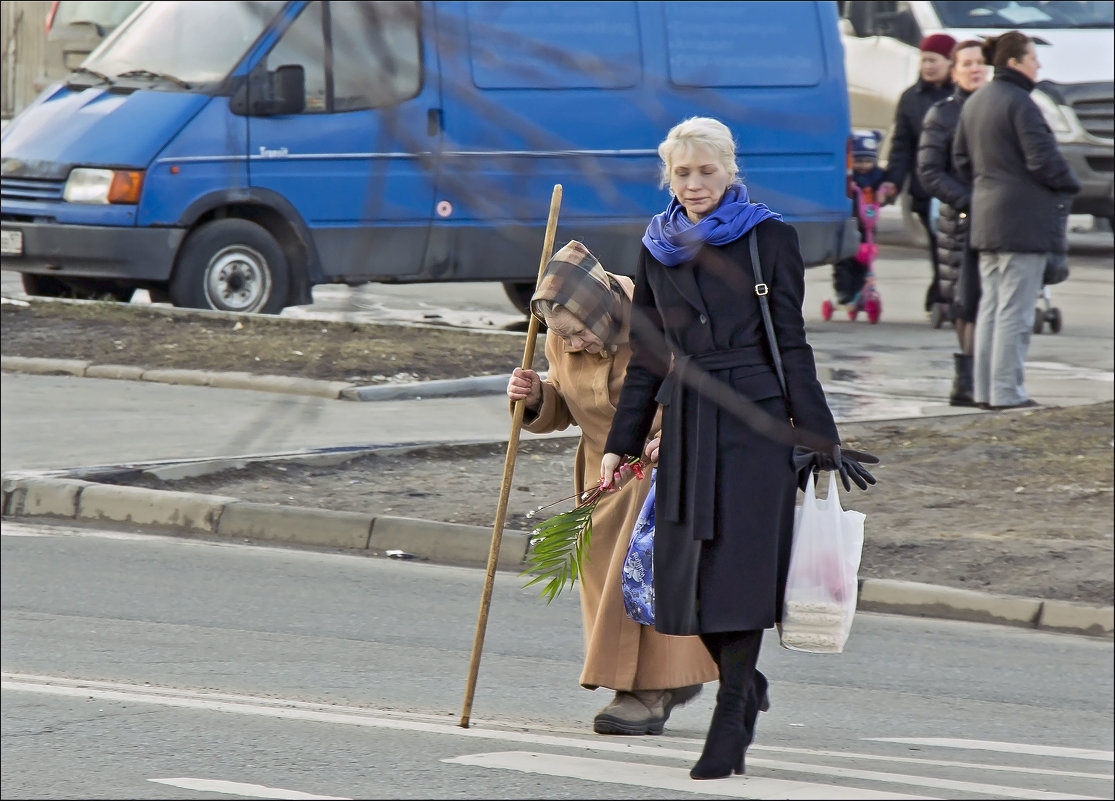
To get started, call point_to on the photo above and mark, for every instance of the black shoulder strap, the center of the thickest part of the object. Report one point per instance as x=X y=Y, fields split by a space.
x=761 y=289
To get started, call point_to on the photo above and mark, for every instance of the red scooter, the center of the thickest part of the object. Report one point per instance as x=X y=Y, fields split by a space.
x=866 y=299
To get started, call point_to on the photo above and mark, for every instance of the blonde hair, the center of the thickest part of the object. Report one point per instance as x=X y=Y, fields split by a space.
x=699 y=132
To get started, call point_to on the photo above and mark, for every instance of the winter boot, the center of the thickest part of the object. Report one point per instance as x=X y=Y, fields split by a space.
x=962 y=384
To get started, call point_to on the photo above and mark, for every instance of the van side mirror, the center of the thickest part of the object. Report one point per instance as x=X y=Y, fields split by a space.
x=266 y=94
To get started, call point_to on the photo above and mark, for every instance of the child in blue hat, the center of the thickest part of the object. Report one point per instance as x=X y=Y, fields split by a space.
x=849 y=275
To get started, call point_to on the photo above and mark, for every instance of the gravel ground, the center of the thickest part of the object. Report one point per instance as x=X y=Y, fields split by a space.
x=1016 y=502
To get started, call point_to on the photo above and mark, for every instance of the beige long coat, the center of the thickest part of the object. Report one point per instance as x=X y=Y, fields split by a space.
x=581 y=389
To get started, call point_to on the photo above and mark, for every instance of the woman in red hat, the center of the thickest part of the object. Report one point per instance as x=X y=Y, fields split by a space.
x=934 y=84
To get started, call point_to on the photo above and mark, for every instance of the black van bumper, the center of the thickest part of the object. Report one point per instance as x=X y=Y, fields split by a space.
x=91 y=251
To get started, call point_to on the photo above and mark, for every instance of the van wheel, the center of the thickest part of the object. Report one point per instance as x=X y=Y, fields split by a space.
x=231 y=265
x=44 y=286
x=519 y=295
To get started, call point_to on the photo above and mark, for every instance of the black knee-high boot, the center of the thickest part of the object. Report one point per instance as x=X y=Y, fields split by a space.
x=758 y=700
x=733 y=723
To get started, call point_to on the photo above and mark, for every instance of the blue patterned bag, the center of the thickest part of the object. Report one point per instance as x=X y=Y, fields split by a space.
x=637 y=581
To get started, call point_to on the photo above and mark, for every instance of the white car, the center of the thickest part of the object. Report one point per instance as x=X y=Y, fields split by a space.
x=1075 y=45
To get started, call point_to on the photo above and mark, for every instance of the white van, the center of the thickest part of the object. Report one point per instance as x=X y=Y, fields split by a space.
x=1075 y=44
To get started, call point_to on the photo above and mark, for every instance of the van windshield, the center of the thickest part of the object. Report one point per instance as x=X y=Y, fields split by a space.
x=195 y=42
x=1022 y=14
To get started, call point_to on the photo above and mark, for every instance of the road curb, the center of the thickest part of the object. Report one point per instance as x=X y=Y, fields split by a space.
x=290 y=385
x=453 y=543
x=75 y=499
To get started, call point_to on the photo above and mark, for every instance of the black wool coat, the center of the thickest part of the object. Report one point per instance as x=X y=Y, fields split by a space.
x=724 y=508
x=938 y=175
x=1021 y=184
x=913 y=105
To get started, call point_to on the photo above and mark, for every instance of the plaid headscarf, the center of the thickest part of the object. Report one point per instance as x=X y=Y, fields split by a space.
x=575 y=279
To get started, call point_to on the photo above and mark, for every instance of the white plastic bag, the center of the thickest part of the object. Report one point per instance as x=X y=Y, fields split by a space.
x=822 y=585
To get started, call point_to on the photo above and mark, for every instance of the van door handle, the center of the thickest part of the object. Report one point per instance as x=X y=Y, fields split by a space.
x=433 y=122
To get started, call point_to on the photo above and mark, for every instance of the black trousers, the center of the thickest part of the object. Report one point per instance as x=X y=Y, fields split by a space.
x=933 y=294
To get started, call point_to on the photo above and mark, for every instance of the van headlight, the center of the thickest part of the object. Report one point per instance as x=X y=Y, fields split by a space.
x=1059 y=118
x=88 y=185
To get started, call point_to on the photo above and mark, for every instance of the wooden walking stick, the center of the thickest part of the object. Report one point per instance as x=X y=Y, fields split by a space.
x=508 y=469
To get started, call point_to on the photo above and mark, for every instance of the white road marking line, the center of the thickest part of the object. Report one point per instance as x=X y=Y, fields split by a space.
x=997 y=790
x=240 y=788
x=941 y=763
x=643 y=775
x=29 y=531
x=663 y=746
x=300 y=710
x=1009 y=748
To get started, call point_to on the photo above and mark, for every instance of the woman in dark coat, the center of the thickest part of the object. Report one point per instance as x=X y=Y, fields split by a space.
x=727 y=475
x=932 y=86
x=958 y=264
x=1022 y=191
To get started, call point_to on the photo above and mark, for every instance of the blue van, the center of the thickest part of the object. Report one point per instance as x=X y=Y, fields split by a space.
x=233 y=155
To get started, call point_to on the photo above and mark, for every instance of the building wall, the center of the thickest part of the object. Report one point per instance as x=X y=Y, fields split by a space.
x=22 y=26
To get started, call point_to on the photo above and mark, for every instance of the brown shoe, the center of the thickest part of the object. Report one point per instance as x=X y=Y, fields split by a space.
x=633 y=713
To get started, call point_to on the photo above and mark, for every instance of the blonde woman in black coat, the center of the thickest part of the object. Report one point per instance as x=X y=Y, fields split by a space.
x=727 y=475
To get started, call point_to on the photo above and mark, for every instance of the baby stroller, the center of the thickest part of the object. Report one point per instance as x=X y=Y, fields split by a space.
x=1056 y=271
x=1049 y=314
x=854 y=277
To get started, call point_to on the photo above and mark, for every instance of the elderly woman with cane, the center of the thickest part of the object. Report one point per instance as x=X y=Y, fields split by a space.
x=735 y=446
x=587 y=312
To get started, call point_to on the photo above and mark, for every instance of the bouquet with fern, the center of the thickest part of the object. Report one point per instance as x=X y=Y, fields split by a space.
x=556 y=553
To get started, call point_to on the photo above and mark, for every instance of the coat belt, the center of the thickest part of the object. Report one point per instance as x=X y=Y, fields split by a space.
x=690 y=469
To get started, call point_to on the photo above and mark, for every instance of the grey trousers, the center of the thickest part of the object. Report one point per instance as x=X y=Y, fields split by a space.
x=1010 y=283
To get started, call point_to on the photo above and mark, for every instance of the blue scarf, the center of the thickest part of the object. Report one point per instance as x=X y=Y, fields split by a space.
x=673 y=238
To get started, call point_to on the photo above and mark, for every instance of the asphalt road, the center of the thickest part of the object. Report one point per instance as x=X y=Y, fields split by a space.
x=154 y=667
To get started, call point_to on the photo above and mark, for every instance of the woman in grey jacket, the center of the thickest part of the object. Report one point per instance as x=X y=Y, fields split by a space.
x=1021 y=190
x=958 y=264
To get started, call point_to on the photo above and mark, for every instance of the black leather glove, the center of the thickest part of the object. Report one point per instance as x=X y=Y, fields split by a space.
x=846 y=462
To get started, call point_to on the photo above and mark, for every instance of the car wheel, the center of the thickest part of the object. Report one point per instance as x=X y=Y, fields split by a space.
x=231 y=265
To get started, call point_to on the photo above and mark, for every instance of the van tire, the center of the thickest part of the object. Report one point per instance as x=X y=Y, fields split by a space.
x=519 y=294
x=231 y=265
x=43 y=286
x=46 y=286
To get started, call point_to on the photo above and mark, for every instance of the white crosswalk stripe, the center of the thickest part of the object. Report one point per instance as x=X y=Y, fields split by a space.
x=1010 y=748
x=645 y=775
x=662 y=762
